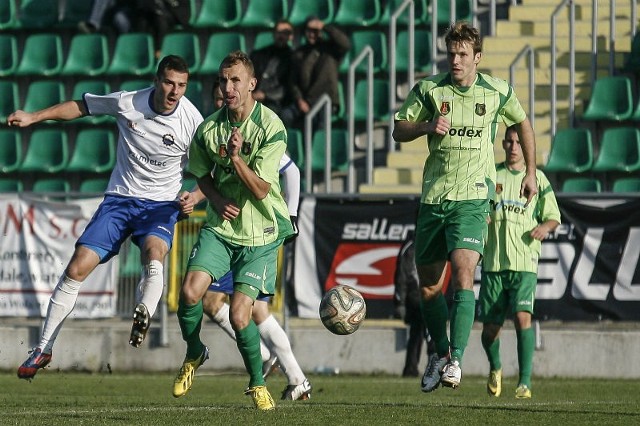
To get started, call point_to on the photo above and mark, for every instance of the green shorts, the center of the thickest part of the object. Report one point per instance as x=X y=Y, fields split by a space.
x=253 y=266
x=500 y=291
x=442 y=228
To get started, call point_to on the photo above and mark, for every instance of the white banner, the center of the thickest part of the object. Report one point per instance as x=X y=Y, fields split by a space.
x=38 y=239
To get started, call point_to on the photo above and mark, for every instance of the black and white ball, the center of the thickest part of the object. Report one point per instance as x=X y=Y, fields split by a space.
x=342 y=310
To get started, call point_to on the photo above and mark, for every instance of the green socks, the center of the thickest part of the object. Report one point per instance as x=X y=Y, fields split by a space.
x=462 y=316
x=248 y=341
x=190 y=320
x=435 y=314
x=526 y=346
x=492 y=349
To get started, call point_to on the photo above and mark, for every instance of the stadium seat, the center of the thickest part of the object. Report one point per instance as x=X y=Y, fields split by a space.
x=636 y=112
x=8 y=16
x=38 y=14
x=219 y=46
x=422 y=51
x=96 y=87
x=359 y=40
x=41 y=56
x=358 y=13
x=339 y=148
x=135 y=84
x=219 y=14
x=295 y=146
x=93 y=185
x=262 y=39
x=10 y=150
x=185 y=44
x=571 y=151
x=94 y=151
x=611 y=99
x=632 y=64
x=42 y=94
x=51 y=185
x=10 y=99
x=133 y=55
x=630 y=184
x=463 y=11
x=195 y=93
x=188 y=184
x=380 y=100
x=581 y=184
x=48 y=151
x=264 y=13
x=8 y=55
x=10 y=185
x=130 y=266
x=619 y=150
x=88 y=55
x=342 y=106
x=301 y=9
x=74 y=12
x=420 y=12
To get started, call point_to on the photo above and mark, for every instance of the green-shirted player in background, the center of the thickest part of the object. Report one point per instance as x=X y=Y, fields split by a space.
x=510 y=263
x=247 y=220
x=459 y=112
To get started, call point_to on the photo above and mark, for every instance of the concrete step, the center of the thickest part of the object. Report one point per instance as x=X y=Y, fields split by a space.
x=542 y=43
x=395 y=176
x=390 y=189
x=539 y=11
x=528 y=28
x=543 y=60
x=400 y=159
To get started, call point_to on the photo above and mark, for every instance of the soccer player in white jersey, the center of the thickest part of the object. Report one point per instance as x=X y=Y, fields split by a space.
x=247 y=220
x=510 y=263
x=459 y=112
x=142 y=199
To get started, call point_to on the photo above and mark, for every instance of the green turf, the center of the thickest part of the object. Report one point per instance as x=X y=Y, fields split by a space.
x=56 y=398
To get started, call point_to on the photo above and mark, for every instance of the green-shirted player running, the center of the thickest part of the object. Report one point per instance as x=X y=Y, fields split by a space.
x=510 y=263
x=235 y=155
x=459 y=111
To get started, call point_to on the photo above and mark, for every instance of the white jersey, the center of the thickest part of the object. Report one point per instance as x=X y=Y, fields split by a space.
x=152 y=148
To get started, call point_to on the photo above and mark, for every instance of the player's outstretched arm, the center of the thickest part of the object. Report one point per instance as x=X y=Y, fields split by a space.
x=68 y=110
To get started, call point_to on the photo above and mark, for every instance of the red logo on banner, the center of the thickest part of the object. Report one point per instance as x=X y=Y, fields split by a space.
x=367 y=267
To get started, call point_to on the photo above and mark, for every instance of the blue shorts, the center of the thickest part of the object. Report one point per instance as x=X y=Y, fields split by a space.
x=117 y=218
x=225 y=285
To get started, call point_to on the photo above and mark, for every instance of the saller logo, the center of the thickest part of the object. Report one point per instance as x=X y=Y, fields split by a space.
x=466 y=131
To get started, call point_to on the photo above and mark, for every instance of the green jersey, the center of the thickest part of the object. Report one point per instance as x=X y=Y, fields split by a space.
x=509 y=245
x=260 y=222
x=460 y=165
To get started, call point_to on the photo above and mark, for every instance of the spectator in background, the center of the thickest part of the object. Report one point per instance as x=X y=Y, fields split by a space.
x=315 y=68
x=160 y=16
x=272 y=67
x=116 y=14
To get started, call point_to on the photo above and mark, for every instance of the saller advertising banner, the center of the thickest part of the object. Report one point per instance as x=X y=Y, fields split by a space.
x=588 y=269
x=38 y=239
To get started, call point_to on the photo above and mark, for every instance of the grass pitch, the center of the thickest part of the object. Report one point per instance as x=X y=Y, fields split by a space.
x=60 y=398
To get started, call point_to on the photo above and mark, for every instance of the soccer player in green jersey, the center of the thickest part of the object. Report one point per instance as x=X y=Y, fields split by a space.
x=510 y=262
x=235 y=156
x=459 y=112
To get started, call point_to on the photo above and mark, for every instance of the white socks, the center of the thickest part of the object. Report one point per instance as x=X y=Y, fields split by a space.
x=61 y=304
x=222 y=319
x=151 y=285
x=278 y=342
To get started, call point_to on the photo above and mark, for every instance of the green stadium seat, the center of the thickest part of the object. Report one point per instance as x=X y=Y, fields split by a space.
x=94 y=151
x=571 y=151
x=420 y=12
x=581 y=184
x=96 y=87
x=632 y=64
x=41 y=56
x=262 y=39
x=38 y=14
x=630 y=184
x=611 y=100
x=463 y=11
x=380 y=100
x=51 y=185
x=220 y=45
x=342 y=106
x=8 y=185
x=133 y=54
x=8 y=55
x=48 y=151
x=619 y=150
x=10 y=99
x=295 y=146
x=195 y=93
x=131 y=266
x=94 y=185
x=358 y=13
x=135 y=84
x=185 y=44
x=636 y=112
x=219 y=14
x=42 y=94
x=422 y=51
x=74 y=12
x=264 y=13
x=359 y=40
x=8 y=16
x=10 y=150
x=339 y=149
x=301 y=9
x=88 y=55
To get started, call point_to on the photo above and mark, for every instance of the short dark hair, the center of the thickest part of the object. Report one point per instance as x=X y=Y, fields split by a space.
x=238 y=57
x=172 y=62
x=461 y=32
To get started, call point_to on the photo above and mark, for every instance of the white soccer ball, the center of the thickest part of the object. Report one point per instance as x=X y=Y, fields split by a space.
x=342 y=310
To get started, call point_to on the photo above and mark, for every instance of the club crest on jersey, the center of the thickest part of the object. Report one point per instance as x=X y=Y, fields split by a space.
x=481 y=109
x=445 y=108
x=246 y=147
x=168 y=140
x=498 y=188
